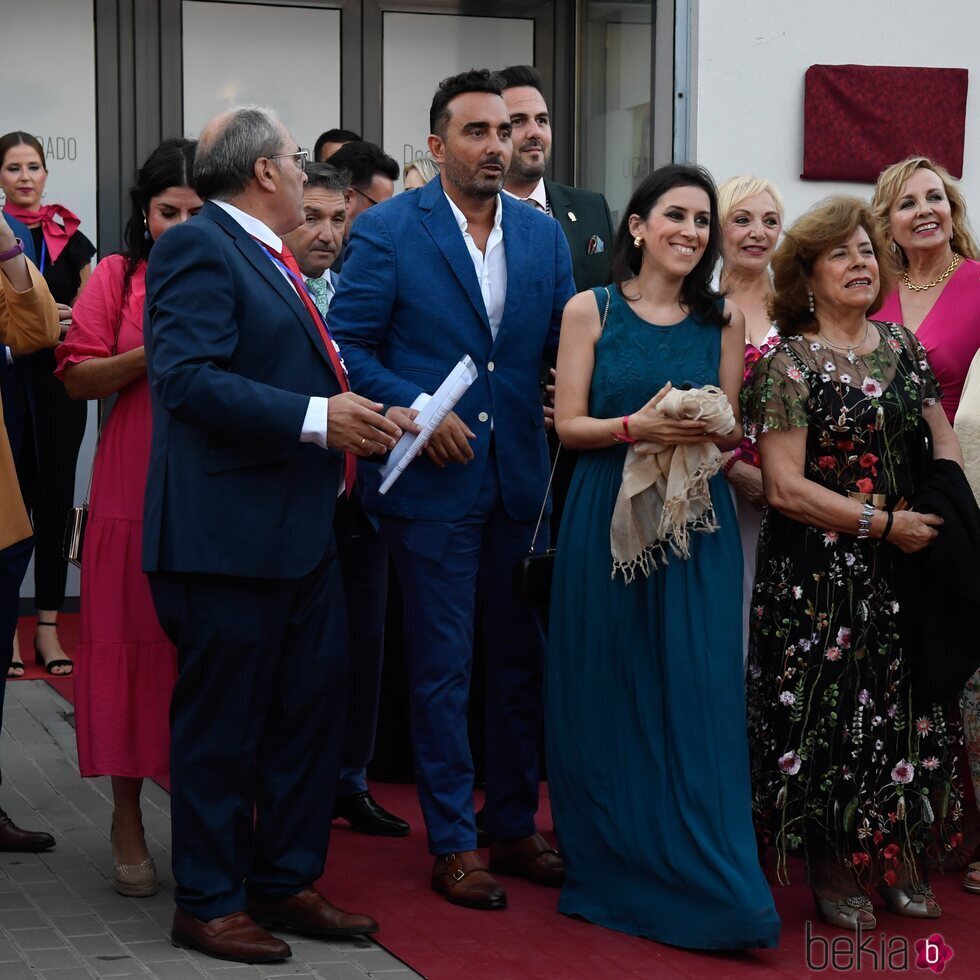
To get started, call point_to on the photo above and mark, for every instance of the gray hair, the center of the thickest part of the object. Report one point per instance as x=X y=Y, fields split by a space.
x=326 y=177
x=228 y=148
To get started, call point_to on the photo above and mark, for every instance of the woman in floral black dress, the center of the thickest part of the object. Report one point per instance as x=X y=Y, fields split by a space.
x=843 y=767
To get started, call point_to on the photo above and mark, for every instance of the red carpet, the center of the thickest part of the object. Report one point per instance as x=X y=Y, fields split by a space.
x=531 y=941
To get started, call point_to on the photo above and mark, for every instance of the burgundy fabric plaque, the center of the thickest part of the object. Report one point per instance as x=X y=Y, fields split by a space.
x=859 y=119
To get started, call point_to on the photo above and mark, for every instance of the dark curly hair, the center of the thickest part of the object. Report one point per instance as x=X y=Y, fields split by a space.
x=698 y=296
x=476 y=80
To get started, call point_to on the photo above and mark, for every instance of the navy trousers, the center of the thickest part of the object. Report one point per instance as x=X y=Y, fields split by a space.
x=364 y=569
x=445 y=568
x=257 y=720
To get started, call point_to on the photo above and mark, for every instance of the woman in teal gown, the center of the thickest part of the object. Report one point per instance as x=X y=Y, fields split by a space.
x=644 y=696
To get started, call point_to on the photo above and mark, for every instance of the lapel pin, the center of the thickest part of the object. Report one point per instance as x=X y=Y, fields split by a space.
x=571 y=216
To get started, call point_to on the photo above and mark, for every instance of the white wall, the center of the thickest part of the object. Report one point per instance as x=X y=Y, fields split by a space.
x=283 y=57
x=750 y=56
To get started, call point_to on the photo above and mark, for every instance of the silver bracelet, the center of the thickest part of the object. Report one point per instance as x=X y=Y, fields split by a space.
x=864 y=521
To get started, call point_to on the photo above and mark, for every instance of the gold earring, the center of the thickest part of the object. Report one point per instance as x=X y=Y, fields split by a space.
x=637 y=242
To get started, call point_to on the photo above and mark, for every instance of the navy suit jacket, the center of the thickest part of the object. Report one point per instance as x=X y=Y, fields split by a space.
x=409 y=306
x=233 y=358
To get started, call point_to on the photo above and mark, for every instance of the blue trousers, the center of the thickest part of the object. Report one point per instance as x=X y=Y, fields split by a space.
x=257 y=720
x=445 y=568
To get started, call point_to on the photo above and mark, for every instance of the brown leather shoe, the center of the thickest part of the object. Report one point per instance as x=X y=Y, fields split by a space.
x=528 y=857
x=235 y=937
x=12 y=838
x=309 y=914
x=463 y=879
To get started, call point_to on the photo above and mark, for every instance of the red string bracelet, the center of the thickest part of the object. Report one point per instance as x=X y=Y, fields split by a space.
x=626 y=437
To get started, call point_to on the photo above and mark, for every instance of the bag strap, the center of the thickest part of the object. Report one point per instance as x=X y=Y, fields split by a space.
x=554 y=465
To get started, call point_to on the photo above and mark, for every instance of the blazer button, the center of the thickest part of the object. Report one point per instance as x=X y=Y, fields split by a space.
x=490 y=365
x=483 y=417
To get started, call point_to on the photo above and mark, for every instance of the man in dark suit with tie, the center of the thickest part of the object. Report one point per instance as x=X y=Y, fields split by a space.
x=459 y=268
x=361 y=549
x=254 y=434
x=583 y=215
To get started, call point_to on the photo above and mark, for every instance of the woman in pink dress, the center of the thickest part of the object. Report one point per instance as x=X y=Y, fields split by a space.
x=751 y=214
x=124 y=665
x=923 y=214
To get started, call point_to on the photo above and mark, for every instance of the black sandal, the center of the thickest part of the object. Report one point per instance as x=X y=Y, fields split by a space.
x=41 y=662
x=16 y=669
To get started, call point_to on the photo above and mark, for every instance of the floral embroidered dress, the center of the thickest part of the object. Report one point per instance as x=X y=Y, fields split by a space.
x=842 y=767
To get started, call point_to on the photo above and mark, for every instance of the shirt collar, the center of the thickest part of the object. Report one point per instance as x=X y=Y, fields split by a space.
x=461 y=218
x=537 y=195
x=252 y=225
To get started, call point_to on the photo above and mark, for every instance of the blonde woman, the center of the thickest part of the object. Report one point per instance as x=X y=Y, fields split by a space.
x=922 y=214
x=417 y=173
x=751 y=213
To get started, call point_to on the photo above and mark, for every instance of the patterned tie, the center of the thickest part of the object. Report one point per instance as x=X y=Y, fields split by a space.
x=332 y=350
x=320 y=291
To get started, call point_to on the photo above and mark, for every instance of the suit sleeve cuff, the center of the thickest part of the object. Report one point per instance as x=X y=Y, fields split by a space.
x=315 y=423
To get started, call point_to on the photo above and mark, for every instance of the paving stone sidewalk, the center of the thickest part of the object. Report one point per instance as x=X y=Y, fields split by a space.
x=60 y=918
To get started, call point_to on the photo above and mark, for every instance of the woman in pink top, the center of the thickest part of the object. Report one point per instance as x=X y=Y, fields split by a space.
x=751 y=213
x=922 y=213
x=125 y=667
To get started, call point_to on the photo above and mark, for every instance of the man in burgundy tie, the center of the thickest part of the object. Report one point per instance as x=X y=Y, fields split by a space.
x=363 y=555
x=255 y=433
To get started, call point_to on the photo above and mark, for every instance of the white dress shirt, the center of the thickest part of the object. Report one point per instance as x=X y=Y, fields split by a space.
x=490 y=267
x=538 y=197
x=315 y=423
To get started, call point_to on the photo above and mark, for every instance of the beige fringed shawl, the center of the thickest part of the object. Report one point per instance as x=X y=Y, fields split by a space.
x=665 y=494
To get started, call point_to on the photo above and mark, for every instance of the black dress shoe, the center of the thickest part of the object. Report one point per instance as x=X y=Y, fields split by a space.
x=365 y=816
x=482 y=837
x=12 y=838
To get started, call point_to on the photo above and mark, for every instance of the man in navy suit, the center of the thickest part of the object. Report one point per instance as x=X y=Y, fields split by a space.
x=254 y=434
x=458 y=268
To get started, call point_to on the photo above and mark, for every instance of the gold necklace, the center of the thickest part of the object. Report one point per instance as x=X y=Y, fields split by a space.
x=950 y=269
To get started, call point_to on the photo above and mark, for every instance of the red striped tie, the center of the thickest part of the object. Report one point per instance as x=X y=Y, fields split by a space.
x=289 y=261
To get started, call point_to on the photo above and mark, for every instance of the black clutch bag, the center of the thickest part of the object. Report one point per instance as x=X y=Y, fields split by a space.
x=533 y=572
x=532 y=578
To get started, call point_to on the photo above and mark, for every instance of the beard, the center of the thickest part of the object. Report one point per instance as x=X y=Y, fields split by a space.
x=472 y=183
x=529 y=170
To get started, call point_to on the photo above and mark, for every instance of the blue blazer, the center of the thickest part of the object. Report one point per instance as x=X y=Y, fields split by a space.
x=233 y=358
x=408 y=307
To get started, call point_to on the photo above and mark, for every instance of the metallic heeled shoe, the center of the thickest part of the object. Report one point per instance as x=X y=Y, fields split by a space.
x=972 y=884
x=916 y=901
x=135 y=880
x=845 y=913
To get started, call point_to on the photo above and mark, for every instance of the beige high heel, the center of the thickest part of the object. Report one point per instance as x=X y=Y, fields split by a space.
x=916 y=901
x=848 y=912
x=134 y=880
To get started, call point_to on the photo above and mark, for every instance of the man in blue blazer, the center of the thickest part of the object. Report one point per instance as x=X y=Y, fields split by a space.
x=458 y=268
x=254 y=433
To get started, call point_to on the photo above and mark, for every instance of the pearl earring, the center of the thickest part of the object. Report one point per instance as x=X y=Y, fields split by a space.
x=809 y=294
x=637 y=242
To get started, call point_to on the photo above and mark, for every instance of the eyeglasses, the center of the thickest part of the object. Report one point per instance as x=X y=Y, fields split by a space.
x=367 y=197
x=300 y=158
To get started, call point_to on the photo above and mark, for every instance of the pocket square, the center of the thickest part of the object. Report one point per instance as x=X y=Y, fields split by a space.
x=595 y=246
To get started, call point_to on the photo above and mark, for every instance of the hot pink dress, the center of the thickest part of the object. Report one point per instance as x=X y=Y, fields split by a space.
x=950 y=332
x=125 y=667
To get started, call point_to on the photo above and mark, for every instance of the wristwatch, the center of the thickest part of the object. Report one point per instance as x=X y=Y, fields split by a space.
x=12 y=253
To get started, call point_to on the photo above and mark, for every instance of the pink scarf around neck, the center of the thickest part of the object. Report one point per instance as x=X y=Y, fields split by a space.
x=55 y=235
